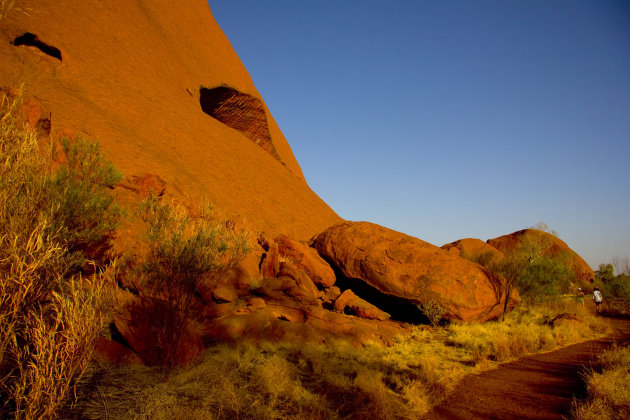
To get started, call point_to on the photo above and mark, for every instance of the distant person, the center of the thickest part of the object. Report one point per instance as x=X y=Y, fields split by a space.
x=597 y=298
x=580 y=295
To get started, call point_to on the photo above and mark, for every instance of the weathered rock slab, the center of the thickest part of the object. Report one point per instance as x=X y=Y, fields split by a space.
x=306 y=259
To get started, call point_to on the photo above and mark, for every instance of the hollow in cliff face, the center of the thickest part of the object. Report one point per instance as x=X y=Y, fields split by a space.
x=239 y=111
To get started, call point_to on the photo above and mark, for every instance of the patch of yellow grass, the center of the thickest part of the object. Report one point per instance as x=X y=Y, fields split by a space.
x=608 y=391
x=282 y=380
x=335 y=380
x=527 y=329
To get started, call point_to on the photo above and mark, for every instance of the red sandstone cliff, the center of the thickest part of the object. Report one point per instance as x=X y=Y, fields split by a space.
x=160 y=87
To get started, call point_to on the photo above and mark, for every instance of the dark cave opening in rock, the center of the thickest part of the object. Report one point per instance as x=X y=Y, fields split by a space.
x=400 y=309
x=240 y=111
x=31 y=40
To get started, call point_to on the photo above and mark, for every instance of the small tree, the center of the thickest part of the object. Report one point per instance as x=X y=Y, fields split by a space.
x=433 y=310
x=182 y=252
x=605 y=273
x=512 y=269
x=544 y=227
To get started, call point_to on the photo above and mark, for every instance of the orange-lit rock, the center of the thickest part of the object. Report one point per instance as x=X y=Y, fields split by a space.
x=472 y=249
x=408 y=268
x=359 y=307
x=306 y=259
x=161 y=88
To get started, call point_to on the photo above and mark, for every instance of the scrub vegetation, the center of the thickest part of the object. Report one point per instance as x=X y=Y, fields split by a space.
x=56 y=285
x=615 y=288
x=52 y=302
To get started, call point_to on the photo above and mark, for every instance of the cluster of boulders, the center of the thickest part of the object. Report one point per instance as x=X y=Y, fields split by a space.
x=358 y=281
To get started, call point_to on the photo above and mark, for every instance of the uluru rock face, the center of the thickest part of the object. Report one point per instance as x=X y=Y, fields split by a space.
x=551 y=246
x=160 y=87
x=407 y=268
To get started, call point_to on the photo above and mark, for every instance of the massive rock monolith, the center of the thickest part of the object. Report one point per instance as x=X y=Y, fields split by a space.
x=159 y=86
x=407 y=268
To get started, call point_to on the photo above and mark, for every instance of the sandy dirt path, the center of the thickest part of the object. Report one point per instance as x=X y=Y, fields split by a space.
x=540 y=386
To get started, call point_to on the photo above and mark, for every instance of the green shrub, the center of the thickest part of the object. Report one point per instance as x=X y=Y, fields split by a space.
x=183 y=252
x=86 y=216
x=546 y=277
x=433 y=310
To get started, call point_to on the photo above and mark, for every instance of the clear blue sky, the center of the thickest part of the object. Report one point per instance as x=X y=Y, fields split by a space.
x=453 y=119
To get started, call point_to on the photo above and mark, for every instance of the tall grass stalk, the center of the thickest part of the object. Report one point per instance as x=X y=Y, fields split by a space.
x=49 y=319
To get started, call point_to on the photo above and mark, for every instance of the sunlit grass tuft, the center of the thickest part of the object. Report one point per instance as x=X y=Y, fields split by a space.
x=608 y=391
x=50 y=316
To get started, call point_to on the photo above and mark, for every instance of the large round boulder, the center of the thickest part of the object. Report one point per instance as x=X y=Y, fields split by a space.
x=409 y=269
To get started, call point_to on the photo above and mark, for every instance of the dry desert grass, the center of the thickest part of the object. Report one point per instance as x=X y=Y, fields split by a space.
x=50 y=314
x=609 y=390
x=334 y=380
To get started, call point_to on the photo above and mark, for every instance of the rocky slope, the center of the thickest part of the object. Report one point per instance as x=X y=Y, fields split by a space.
x=160 y=87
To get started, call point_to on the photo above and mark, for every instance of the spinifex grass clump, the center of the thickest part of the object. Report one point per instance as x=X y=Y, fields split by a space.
x=49 y=317
x=608 y=391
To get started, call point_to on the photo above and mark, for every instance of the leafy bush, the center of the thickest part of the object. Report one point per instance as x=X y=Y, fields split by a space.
x=433 y=310
x=183 y=252
x=49 y=320
x=86 y=215
x=546 y=277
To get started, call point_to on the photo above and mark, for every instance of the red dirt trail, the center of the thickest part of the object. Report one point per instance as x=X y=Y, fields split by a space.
x=540 y=386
